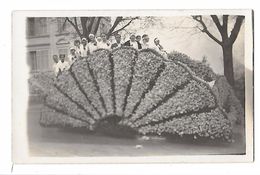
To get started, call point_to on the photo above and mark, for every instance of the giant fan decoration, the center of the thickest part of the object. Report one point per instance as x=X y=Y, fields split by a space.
x=139 y=90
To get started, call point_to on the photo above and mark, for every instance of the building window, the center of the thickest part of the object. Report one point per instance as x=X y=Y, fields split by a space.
x=39 y=60
x=42 y=59
x=32 y=61
x=30 y=28
x=62 y=27
x=37 y=26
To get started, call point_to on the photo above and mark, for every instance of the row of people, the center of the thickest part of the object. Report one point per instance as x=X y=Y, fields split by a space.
x=135 y=41
x=83 y=48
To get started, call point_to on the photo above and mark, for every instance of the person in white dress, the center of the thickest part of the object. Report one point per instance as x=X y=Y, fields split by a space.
x=84 y=48
x=77 y=48
x=72 y=55
x=104 y=44
x=62 y=65
x=159 y=48
x=55 y=60
x=92 y=45
x=99 y=39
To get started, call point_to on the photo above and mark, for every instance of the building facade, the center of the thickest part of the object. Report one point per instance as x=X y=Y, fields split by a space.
x=51 y=36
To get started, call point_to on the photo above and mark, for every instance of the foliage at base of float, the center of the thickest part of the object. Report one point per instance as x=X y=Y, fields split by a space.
x=228 y=101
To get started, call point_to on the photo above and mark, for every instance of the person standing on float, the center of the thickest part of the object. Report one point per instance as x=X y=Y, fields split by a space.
x=92 y=45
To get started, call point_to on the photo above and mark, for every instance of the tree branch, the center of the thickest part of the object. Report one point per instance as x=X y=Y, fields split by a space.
x=92 y=20
x=217 y=23
x=97 y=25
x=75 y=21
x=74 y=25
x=225 y=22
x=117 y=21
x=221 y=28
x=236 y=29
x=123 y=27
x=225 y=27
x=83 y=21
x=205 y=29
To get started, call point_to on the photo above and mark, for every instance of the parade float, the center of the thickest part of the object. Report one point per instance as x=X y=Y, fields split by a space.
x=135 y=93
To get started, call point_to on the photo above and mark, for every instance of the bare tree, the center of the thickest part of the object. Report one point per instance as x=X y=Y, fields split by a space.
x=86 y=25
x=227 y=40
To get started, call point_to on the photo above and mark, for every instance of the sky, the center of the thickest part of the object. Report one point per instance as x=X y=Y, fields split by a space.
x=176 y=33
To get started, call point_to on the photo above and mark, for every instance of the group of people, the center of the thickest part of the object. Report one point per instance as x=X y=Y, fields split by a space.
x=83 y=48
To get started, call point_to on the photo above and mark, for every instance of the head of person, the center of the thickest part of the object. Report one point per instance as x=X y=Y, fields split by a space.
x=76 y=43
x=145 y=38
x=91 y=37
x=84 y=41
x=138 y=38
x=99 y=39
x=118 y=38
x=55 y=58
x=72 y=50
x=110 y=39
x=62 y=57
x=156 y=41
x=104 y=37
x=132 y=37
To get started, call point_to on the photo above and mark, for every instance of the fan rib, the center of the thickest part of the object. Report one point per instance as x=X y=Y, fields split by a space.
x=111 y=60
x=196 y=78
x=128 y=89
x=97 y=87
x=164 y=100
x=83 y=92
x=189 y=112
x=78 y=105
x=64 y=113
x=150 y=86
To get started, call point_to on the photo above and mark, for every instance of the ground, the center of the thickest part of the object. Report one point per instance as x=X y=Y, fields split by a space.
x=60 y=142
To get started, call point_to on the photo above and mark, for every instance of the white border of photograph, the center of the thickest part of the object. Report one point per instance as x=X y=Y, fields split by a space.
x=20 y=89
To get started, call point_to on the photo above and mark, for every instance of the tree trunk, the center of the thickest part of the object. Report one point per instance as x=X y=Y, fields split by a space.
x=228 y=63
x=83 y=21
x=97 y=26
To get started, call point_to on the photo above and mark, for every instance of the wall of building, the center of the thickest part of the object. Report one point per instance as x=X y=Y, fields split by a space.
x=47 y=37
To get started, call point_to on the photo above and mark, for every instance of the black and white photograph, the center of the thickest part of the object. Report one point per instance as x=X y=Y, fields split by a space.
x=132 y=86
